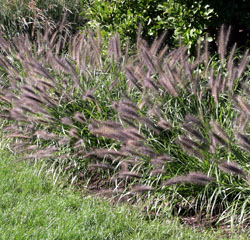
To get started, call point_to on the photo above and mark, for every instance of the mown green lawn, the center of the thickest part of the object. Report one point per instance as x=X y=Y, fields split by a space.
x=32 y=207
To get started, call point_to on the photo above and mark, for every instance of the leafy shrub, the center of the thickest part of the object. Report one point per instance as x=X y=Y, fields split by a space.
x=182 y=19
x=156 y=125
x=185 y=19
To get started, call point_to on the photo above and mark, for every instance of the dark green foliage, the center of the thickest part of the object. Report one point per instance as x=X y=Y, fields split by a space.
x=185 y=19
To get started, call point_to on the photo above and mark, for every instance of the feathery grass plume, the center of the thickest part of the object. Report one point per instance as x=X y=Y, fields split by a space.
x=240 y=123
x=243 y=105
x=45 y=135
x=189 y=118
x=128 y=103
x=8 y=97
x=129 y=174
x=189 y=128
x=28 y=105
x=190 y=143
x=74 y=133
x=27 y=149
x=77 y=48
x=133 y=134
x=191 y=178
x=213 y=144
x=66 y=121
x=155 y=111
x=157 y=44
x=188 y=70
x=73 y=73
x=135 y=143
x=28 y=89
x=243 y=64
x=11 y=129
x=79 y=144
x=147 y=58
x=127 y=111
x=162 y=53
x=80 y=117
x=124 y=165
x=164 y=124
x=20 y=146
x=158 y=171
x=95 y=166
x=219 y=131
x=176 y=180
x=33 y=97
x=110 y=124
x=104 y=153
x=115 y=47
x=36 y=68
x=150 y=124
x=190 y=149
x=218 y=139
x=230 y=62
x=148 y=82
x=222 y=44
x=141 y=189
x=166 y=80
x=43 y=153
x=231 y=168
x=244 y=141
x=133 y=78
x=18 y=115
x=158 y=162
x=109 y=132
x=178 y=78
x=163 y=158
x=177 y=55
x=200 y=178
x=216 y=88
x=112 y=130
x=132 y=151
x=147 y=151
x=109 y=192
x=48 y=101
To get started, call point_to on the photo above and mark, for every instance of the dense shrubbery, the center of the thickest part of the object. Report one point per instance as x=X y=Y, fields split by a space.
x=154 y=122
x=185 y=19
x=179 y=18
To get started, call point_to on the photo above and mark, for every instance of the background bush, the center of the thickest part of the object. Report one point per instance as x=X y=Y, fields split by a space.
x=180 y=18
x=185 y=19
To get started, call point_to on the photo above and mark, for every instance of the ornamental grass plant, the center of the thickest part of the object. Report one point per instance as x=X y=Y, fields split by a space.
x=146 y=125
